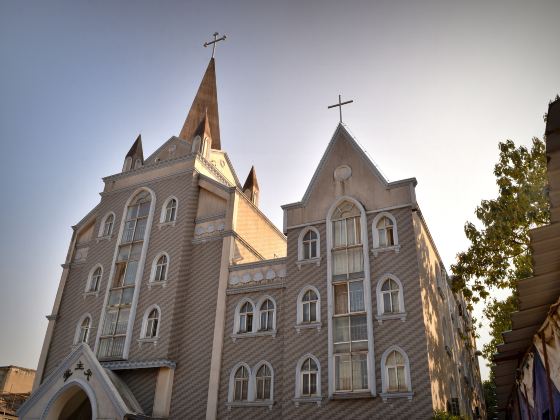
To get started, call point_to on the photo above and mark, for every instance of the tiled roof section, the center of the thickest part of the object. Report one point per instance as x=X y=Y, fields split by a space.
x=251 y=181
x=136 y=149
x=205 y=102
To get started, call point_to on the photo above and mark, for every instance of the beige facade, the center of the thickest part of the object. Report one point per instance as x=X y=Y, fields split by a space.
x=185 y=301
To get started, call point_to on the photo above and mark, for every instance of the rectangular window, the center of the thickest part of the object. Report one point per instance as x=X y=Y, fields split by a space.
x=348 y=261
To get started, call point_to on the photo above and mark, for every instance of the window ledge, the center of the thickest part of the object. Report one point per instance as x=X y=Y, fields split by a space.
x=308 y=400
x=104 y=238
x=156 y=284
x=152 y=340
x=386 y=317
x=164 y=224
x=91 y=293
x=393 y=395
x=351 y=395
x=316 y=261
x=254 y=334
x=308 y=326
x=395 y=248
x=268 y=404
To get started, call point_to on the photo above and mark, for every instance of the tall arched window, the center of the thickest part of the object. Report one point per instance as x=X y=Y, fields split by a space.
x=395 y=369
x=152 y=324
x=160 y=268
x=309 y=245
x=263 y=383
x=83 y=330
x=347 y=253
x=309 y=378
x=241 y=384
x=266 y=316
x=169 y=210
x=95 y=279
x=246 y=318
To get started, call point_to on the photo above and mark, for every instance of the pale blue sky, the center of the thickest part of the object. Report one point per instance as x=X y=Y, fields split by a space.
x=436 y=85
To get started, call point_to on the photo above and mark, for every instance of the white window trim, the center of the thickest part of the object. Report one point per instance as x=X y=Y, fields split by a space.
x=385 y=381
x=236 y=332
x=79 y=328
x=299 y=315
x=302 y=261
x=381 y=316
x=102 y=226
x=254 y=376
x=298 y=398
x=251 y=387
x=375 y=234
x=88 y=291
x=258 y=313
x=164 y=211
x=143 y=337
x=367 y=298
x=152 y=281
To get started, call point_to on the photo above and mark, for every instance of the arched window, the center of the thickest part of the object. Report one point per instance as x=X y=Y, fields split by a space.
x=241 y=384
x=384 y=231
x=83 y=329
x=347 y=252
x=95 y=279
x=107 y=225
x=267 y=316
x=160 y=268
x=263 y=383
x=137 y=163
x=309 y=245
x=246 y=318
x=151 y=323
x=395 y=369
x=390 y=294
x=169 y=212
x=309 y=375
x=127 y=164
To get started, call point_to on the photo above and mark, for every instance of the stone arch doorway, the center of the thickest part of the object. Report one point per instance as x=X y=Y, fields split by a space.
x=72 y=404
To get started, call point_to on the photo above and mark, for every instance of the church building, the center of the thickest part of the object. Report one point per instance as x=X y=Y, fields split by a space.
x=180 y=299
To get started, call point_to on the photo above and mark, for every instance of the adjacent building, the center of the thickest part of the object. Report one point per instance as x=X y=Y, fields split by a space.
x=180 y=299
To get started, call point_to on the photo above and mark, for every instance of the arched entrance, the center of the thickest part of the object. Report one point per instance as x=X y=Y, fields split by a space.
x=72 y=404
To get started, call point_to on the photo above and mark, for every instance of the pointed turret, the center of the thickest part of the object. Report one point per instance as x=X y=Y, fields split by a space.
x=202 y=137
x=204 y=106
x=135 y=156
x=251 y=187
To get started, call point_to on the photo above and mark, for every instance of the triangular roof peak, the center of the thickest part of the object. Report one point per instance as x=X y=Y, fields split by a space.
x=136 y=148
x=204 y=105
x=343 y=131
x=251 y=180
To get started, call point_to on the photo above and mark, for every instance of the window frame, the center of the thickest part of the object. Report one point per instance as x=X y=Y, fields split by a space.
x=154 y=269
x=299 y=397
x=258 y=312
x=145 y=320
x=88 y=290
x=385 y=393
x=78 y=331
x=375 y=233
x=101 y=232
x=381 y=314
x=251 y=386
x=255 y=371
x=237 y=323
x=300 y=323
x=301 y=252
x=163 y=214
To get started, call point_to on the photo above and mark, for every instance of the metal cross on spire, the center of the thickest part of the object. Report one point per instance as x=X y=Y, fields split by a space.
x=339 y=105
x=213 y=43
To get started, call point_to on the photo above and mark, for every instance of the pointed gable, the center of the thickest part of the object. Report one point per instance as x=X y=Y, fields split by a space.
x=346 y=170
x=135 y=156
x=251 y=187
x=204 y=103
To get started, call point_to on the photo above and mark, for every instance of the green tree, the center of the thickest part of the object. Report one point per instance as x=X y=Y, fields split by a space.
x=489 y=389
x=499 y=252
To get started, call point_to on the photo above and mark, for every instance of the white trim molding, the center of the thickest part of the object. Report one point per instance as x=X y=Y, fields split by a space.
x=385 y=395
x=376 y=248
x=298 y=398
x=381 y=314
x=299 y=314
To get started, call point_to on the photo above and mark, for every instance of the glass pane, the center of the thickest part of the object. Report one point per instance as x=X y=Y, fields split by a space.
x=306 y=251
x=140 y=229
x=115 y=297
x=382 y=237
x=356 y=296
x=387 y=303
x=395 y=301
x=339 y=233
x=124 y=252
x=355 y=260
x=130 y=272
x=359 y=371
x=343 y=369
x=390 y=239
x=341 y=299
x=104 y=345
x=313 y=384
x=119 y=275
x=392 y=375
x=305 y=388
x=128 y=231
x=340 y=262
x=358 y=328
x=110 y=321
x=351 y=232
x=306 y=317
x=135 y=252
x=400 y=378
x=131 y=212
x=127 y=295
x=123 y=321
x=312 y=312
x=313 y=250
x=144 y=209
x=341 y=329
x=358 y=231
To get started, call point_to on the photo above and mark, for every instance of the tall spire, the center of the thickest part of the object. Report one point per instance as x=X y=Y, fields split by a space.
x=205 y=103
x=251 y=187
x=135 y=156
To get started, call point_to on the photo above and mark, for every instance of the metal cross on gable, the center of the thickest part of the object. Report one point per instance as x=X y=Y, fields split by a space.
x=339 y=105
x=213 y=43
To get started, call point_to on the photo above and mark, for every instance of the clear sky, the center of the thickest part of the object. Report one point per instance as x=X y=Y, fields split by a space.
x=436 y=85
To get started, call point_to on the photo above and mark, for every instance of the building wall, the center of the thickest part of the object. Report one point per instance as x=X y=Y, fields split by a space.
x=16 y=380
